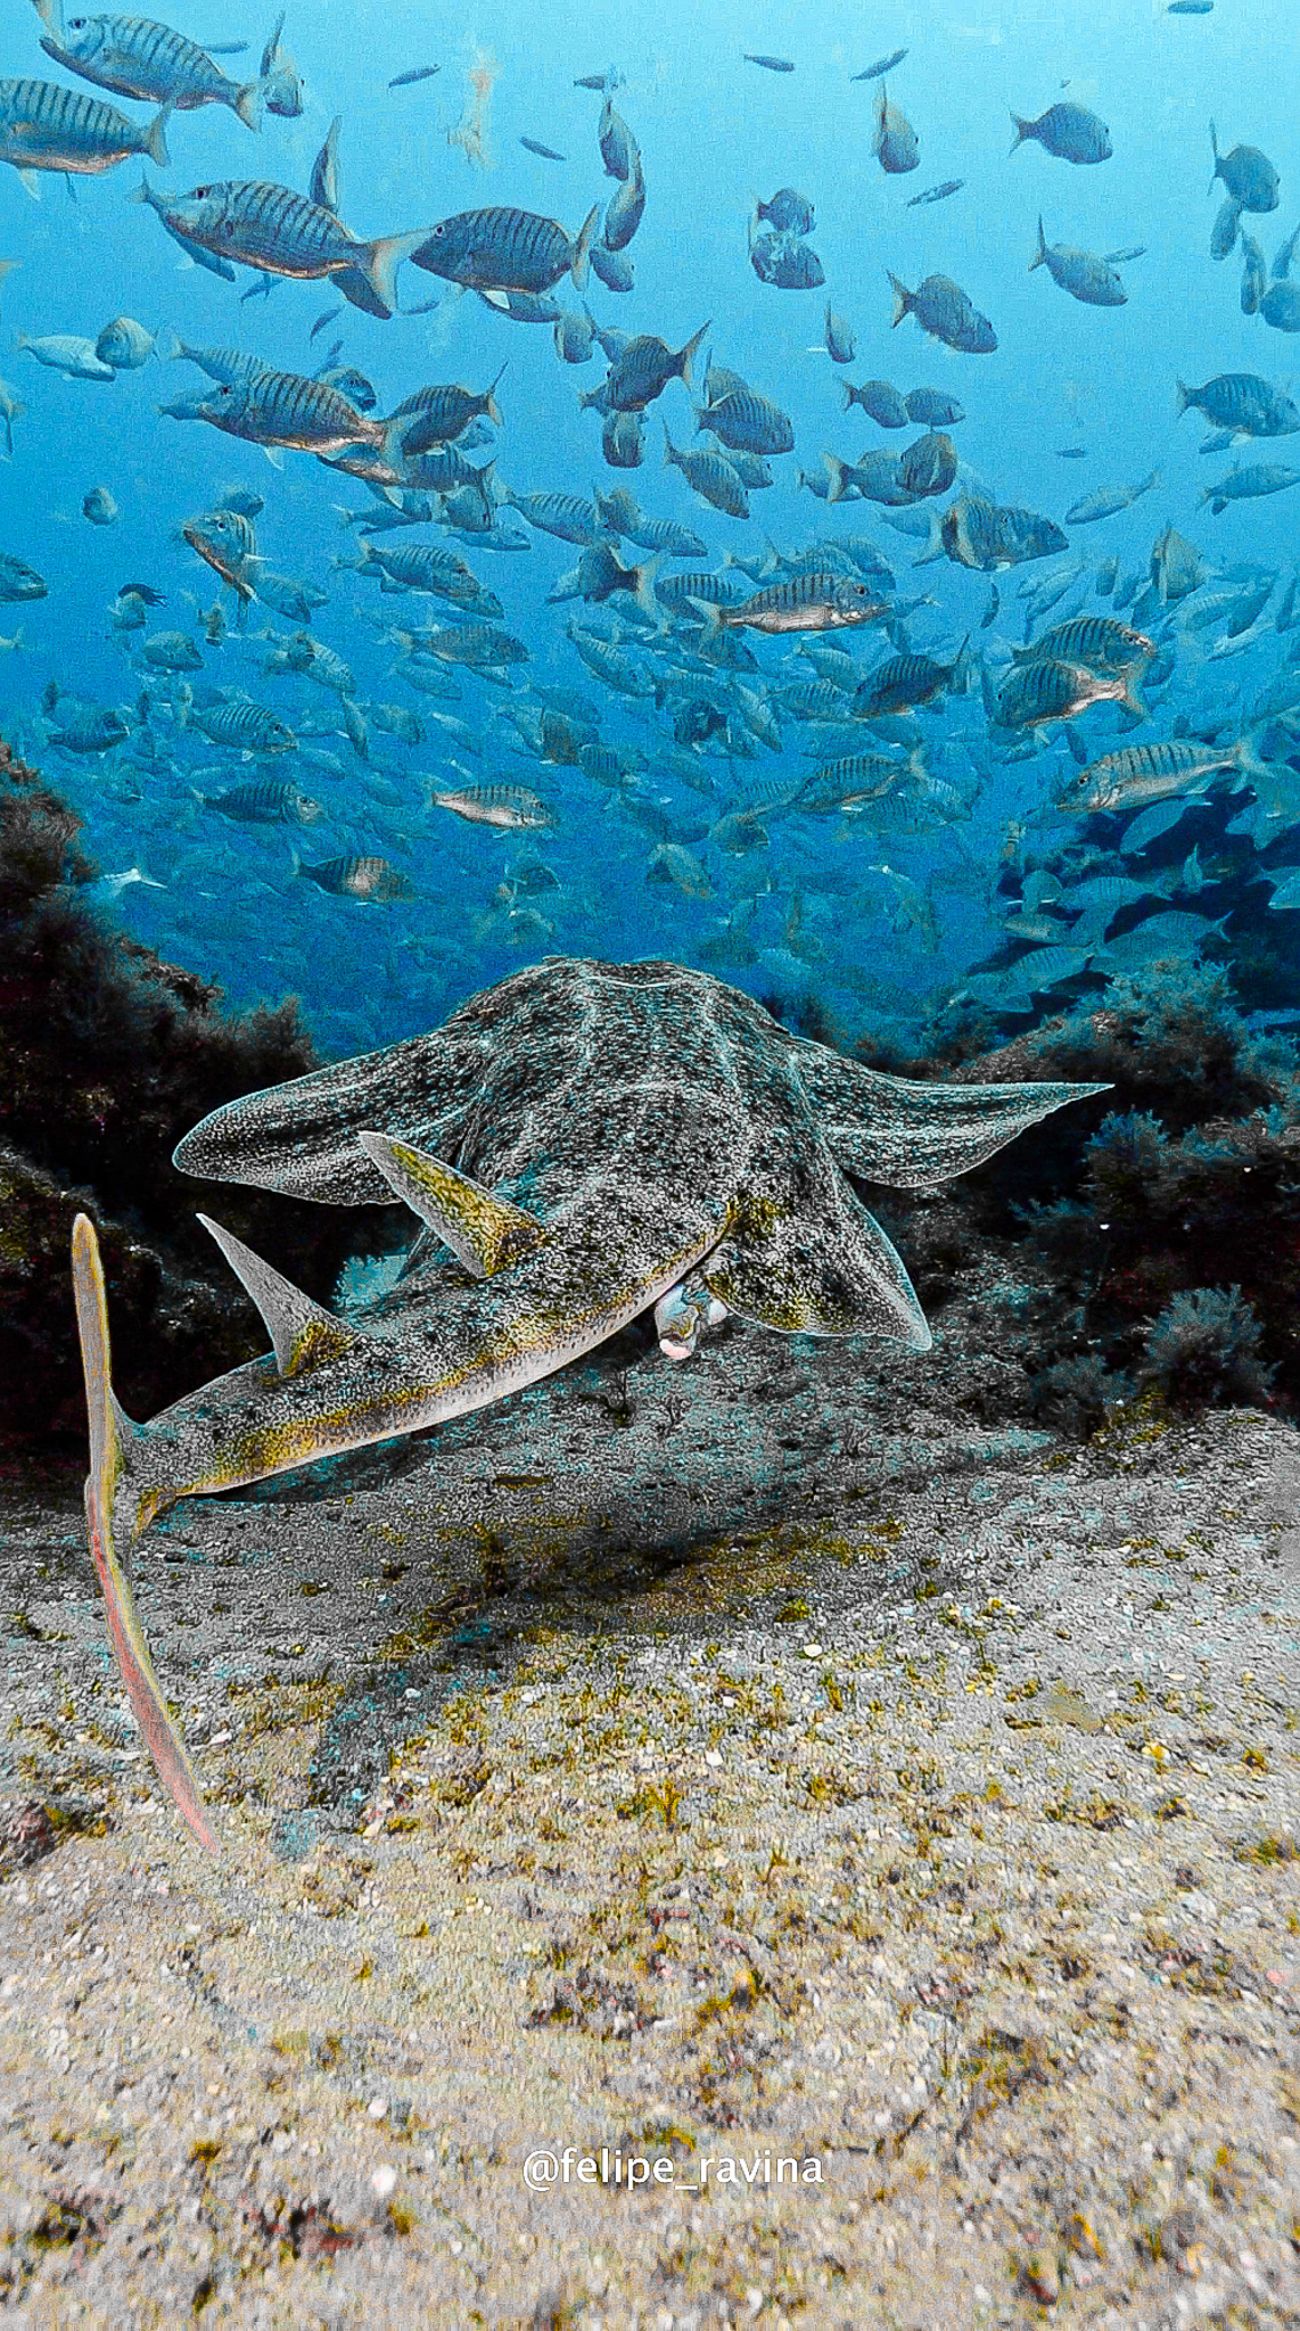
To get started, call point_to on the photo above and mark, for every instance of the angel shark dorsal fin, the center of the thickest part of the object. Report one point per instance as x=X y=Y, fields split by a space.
x=303 y=1335
x=484 y=1233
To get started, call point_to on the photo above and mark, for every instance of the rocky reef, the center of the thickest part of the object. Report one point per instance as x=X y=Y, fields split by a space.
x=1160 y=1247
x=108 y=1055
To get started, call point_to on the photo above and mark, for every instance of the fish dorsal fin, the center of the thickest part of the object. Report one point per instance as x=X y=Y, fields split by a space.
x=484 y=1233
x=303 y=1335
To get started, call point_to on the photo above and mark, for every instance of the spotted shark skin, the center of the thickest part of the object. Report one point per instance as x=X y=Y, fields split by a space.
x=590 y=1141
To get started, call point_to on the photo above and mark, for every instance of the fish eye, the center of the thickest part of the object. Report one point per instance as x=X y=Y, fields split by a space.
x=201 y=193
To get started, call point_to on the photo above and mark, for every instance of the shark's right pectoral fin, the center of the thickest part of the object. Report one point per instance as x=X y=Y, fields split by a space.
x=484 y=1232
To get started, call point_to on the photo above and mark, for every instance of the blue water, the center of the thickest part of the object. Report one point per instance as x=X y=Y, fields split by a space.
x=715 y=132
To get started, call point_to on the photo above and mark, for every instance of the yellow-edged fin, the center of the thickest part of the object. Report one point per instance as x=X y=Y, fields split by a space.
x=107 y=1464
x=484 y=1232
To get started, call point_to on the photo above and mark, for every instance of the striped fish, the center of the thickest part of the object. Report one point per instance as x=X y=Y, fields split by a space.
x=808 y=602
x=374 y=880
x=854 y=777
x=1144 y=773
x=1099 y=642
x=225 y=540
x=135 y=57
x=510 y=808
x=504 y=250
x=1046 y=688
x=747 y=422
x=426 y=566
x=568 y=516
x=286 y=408
x=267 y=801
x=440 y=414
x=45 y=127
x=904 y=681
x=259 y=224
x=249 y=727
x=481 y=645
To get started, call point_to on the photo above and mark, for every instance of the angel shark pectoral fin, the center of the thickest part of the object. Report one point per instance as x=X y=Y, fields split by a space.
x=914 y=1136
x=110 y=1458
x=828 y=1271
x=301 y=1137
x=484 y=1232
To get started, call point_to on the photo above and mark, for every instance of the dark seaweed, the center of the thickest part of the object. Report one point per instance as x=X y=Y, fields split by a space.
x=108 y=1055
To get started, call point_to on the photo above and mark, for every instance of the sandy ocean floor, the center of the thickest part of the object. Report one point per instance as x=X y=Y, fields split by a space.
x=712 y=1768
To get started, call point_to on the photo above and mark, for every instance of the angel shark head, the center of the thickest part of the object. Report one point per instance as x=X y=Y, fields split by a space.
x=579 y=1144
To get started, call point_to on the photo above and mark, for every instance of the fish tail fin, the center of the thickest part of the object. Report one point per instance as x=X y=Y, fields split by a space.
x=580 y=264
x=1182 y=398
x=839 y=474
x=248 y=104
x=1024 y=129
x=1214 y=149
x=644 y=593
x=155 y=140
x=672 y=457
x=934 y=548
x=1132 y=702
x=491 y=407
x=1040 y=256
x=380 y=263
x=687 y=354
x=1249 y=762
x=849 y=394
x=112 y=1437
x=902 y=299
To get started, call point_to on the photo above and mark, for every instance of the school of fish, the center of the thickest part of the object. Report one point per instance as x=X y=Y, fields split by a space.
x=912 y=741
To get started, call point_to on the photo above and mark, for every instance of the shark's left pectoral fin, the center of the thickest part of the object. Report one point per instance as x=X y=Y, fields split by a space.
x=302 y=1333
x=916 y=1136
x=822 y=1271
x=484 y=1232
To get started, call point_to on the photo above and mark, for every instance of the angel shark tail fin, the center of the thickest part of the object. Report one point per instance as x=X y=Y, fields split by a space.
x=111 y=1439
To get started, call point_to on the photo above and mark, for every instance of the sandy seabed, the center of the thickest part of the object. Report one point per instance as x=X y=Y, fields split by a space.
x=755 y=1763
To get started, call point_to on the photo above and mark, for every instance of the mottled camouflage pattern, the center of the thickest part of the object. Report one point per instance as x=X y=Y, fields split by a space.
x=585 y=1136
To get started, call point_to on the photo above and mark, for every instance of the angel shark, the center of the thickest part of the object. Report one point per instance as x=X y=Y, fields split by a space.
x=589 y=1140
